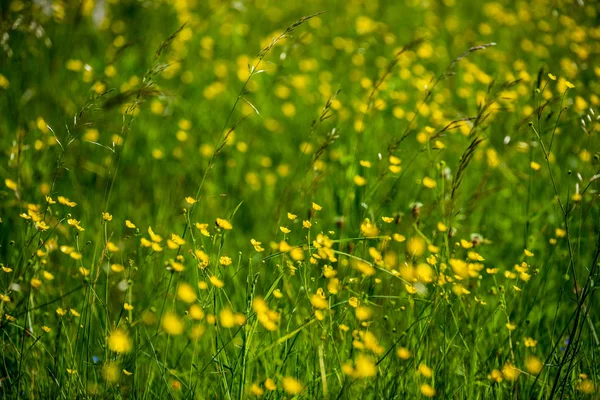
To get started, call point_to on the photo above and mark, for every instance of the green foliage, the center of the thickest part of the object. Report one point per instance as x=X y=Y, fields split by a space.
x=382 y=200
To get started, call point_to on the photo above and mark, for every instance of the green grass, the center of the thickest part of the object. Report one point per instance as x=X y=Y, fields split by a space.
x=379 y=200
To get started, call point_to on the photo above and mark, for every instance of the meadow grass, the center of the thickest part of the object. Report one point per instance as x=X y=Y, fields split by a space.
x=320 y=199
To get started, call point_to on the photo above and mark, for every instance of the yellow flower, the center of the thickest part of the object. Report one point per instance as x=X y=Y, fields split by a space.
x=106 y=216
x=36 y=283
x=127 y=307
x=129 y=224
x=427 y=390
x=291 y=216
x=569 y=85
x=360 y=181
x=270 y=384
x=291 y=385
x=216 y=281
x=186 y=293
x=510 y=326
x=225 y=261
x=284 y=229
x=46 y=329
x=111 y=372
x=387 y=220
x=416 y=246
x=429 y=183
x=172 y=324
x=223 y=223
x=306 y=224
x=364 y=367
x=363 y=313
x=510 y=372
x=190 y=200
x=227 y=318
x=316 y=207
x=12 y=185
x=533 y=365
x=553 y=77
x=196 y=312
x=403 y=353
x=425 y=370
x=530 y=342
x=119 y=342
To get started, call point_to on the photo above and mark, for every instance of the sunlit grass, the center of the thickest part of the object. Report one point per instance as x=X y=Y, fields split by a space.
x=382 y=200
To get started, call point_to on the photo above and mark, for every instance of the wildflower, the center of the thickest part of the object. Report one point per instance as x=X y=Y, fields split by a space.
x=111 y=371
x=256 y=390
x=224 y=224
x=530 y=342
x=186 y=293
x=416 y=246
x=427 y=390
x=106 y=216
x=569 y=85
x=225 y=261
x=46 y=329
x=360 y=181
x=113 y=248
x=364 y=367
x=510 y=372
x=42 y=226
x=425 y=370
x=387 y=220
x=119 y=342
x=227 y=318
x=117 y=268
x=203 y=228
x=291 y=385
x=270 y=384
x=316 y=207
x=369 y=229
x=403 y=353
x=129 y=224
x=586 y=386
x=306 y=224
x=510 y=326
x=533 y=365
x=399 y=238
x=127 y=307
x=196 y=312
x=496 y=375
x=12 y=185
x=61 y=312
x=257 y=245
x=66 y=202
x=75 y=223
x=363 y=313
x=291 y=216
x=154 y=237
x=216 y=281
x=172 y=324
x=553 y=77
x=429 y=183
x=284 y=229
x=74 y=312
x=35 y=283
x=190 y=200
